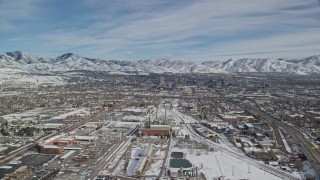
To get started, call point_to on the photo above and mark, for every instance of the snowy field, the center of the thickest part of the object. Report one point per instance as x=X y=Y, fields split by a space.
x=13 y=76
x=30 y=115
x=157 y=161
x=154 y=168
x=216 y=164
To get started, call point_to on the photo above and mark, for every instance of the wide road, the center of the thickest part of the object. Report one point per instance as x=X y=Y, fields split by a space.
x=214 y=97
x=313 y=155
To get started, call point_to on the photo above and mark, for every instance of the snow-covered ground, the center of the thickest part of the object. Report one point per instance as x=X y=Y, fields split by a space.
x=157 y=161
x=124 y=124
x=159 y=154
x=225 y=143
x=187 y=119
x=23 y=116
x=217 y=164
x=21 y=61
x=30 y=115
x=13 y=76
x=232 y=167
x=133 y=118
x=286 y=145
x=120 y=167
x=154 y=168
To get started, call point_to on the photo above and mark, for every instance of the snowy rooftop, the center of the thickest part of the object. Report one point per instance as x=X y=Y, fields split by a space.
x=51 y=146
x=79 y=112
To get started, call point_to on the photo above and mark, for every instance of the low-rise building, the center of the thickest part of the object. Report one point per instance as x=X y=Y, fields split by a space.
x=51 y=149
x=265 y=144
x=86 y=138
x=156 y=130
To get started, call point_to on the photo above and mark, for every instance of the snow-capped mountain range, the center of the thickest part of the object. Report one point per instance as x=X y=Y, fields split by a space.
x=24 y=64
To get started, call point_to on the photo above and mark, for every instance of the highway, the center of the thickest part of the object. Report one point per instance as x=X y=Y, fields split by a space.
x=306 y=146
x=277 y=172
x=215 y=97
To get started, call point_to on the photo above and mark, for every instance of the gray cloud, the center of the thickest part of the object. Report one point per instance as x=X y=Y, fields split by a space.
x=191 y=29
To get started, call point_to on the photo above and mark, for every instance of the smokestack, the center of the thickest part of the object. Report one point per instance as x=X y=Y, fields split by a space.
x=149 y=118
x=165 y=114
x=156 y=113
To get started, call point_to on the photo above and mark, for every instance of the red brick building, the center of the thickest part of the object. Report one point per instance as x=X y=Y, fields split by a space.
x=154 y=132
x=55 y=146
x=64 y=141
x=50 y=149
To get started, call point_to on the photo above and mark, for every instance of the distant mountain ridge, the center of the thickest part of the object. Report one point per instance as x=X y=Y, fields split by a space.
x=23 y=69
x=71 y=62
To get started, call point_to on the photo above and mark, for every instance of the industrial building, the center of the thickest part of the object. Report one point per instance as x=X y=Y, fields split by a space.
x=57 y=146
x=50 y=149
x=156 y=130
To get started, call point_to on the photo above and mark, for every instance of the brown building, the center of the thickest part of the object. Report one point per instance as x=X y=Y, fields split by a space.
x=64 y=141
x=154 y=132
x=55 y=146
x=51 y=149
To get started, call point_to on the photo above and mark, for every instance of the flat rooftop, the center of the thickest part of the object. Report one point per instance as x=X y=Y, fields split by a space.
x=180 y=163
x=177 y=155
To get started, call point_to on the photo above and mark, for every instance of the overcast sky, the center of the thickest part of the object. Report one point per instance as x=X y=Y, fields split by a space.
x=197 y=30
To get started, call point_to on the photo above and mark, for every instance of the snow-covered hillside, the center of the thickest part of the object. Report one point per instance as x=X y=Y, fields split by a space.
x=310 y=65
x=20 y=66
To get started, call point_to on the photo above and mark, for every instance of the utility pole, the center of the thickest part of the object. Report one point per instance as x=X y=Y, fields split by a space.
x=149 y=117
x=156 y=113
x=165 y=114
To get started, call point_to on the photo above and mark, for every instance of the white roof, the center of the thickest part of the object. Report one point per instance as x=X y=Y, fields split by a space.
x=265 y=142
x=249 y=125
x=85 y=137
x=68 y=154
x=227 y=116
x=5 y=167
x=160 y=127
x=51 y=146
x=274 y=163
x=66 y=139
x=240 y=126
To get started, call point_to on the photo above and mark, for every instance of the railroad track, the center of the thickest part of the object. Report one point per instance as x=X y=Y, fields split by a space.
x=269 y=169
x=312 y=155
